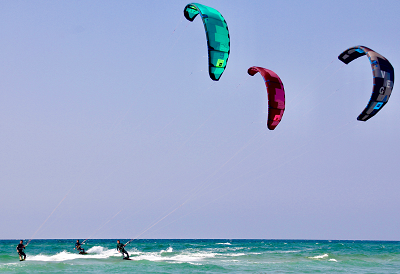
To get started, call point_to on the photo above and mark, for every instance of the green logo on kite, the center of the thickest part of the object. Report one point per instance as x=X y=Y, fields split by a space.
x=192 y=9
x=220 y=63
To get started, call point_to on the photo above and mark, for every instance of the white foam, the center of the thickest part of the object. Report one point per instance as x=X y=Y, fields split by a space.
x=224 y=249
x=183 y=258
x=224 y=244
x=186 y=262
x=319 y=256
x=96 y=252
x=169 y=250
x=284 y=251
x=194 y=263
x=235 y=254
x=332 y=260
x=96 y=249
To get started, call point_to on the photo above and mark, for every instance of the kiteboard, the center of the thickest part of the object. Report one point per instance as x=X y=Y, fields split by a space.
x=83 y=252
x=125 y=258
x=21 y=259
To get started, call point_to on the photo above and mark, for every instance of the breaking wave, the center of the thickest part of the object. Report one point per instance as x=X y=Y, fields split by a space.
x=319 y=256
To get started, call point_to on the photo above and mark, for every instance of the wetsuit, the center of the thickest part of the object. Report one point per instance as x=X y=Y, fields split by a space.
x=20 y=249
x=79 y=248
x=121 y=248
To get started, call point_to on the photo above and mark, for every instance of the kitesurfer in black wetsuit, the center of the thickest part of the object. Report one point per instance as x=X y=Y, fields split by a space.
x=121 y=249
x=79 y=248
x=20 y=249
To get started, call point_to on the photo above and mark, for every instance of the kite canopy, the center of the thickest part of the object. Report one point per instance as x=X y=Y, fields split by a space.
x=217 y=37
x=383 y=74
x=276 y=95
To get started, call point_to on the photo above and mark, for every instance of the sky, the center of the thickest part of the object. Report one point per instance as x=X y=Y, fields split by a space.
x=110 y=126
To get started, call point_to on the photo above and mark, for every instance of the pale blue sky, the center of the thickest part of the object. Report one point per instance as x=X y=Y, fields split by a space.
x=105 y=96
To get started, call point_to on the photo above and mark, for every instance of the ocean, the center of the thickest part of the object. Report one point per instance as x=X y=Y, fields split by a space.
x=204 y=256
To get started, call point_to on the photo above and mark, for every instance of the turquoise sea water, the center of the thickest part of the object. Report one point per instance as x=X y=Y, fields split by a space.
x=205 y=256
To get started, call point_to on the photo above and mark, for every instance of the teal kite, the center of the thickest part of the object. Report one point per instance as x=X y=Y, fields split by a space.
x=217 y=33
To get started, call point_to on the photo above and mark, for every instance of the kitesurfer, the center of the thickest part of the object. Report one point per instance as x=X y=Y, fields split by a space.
x=79 y=248
x=121 y=249
x=20 y=249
